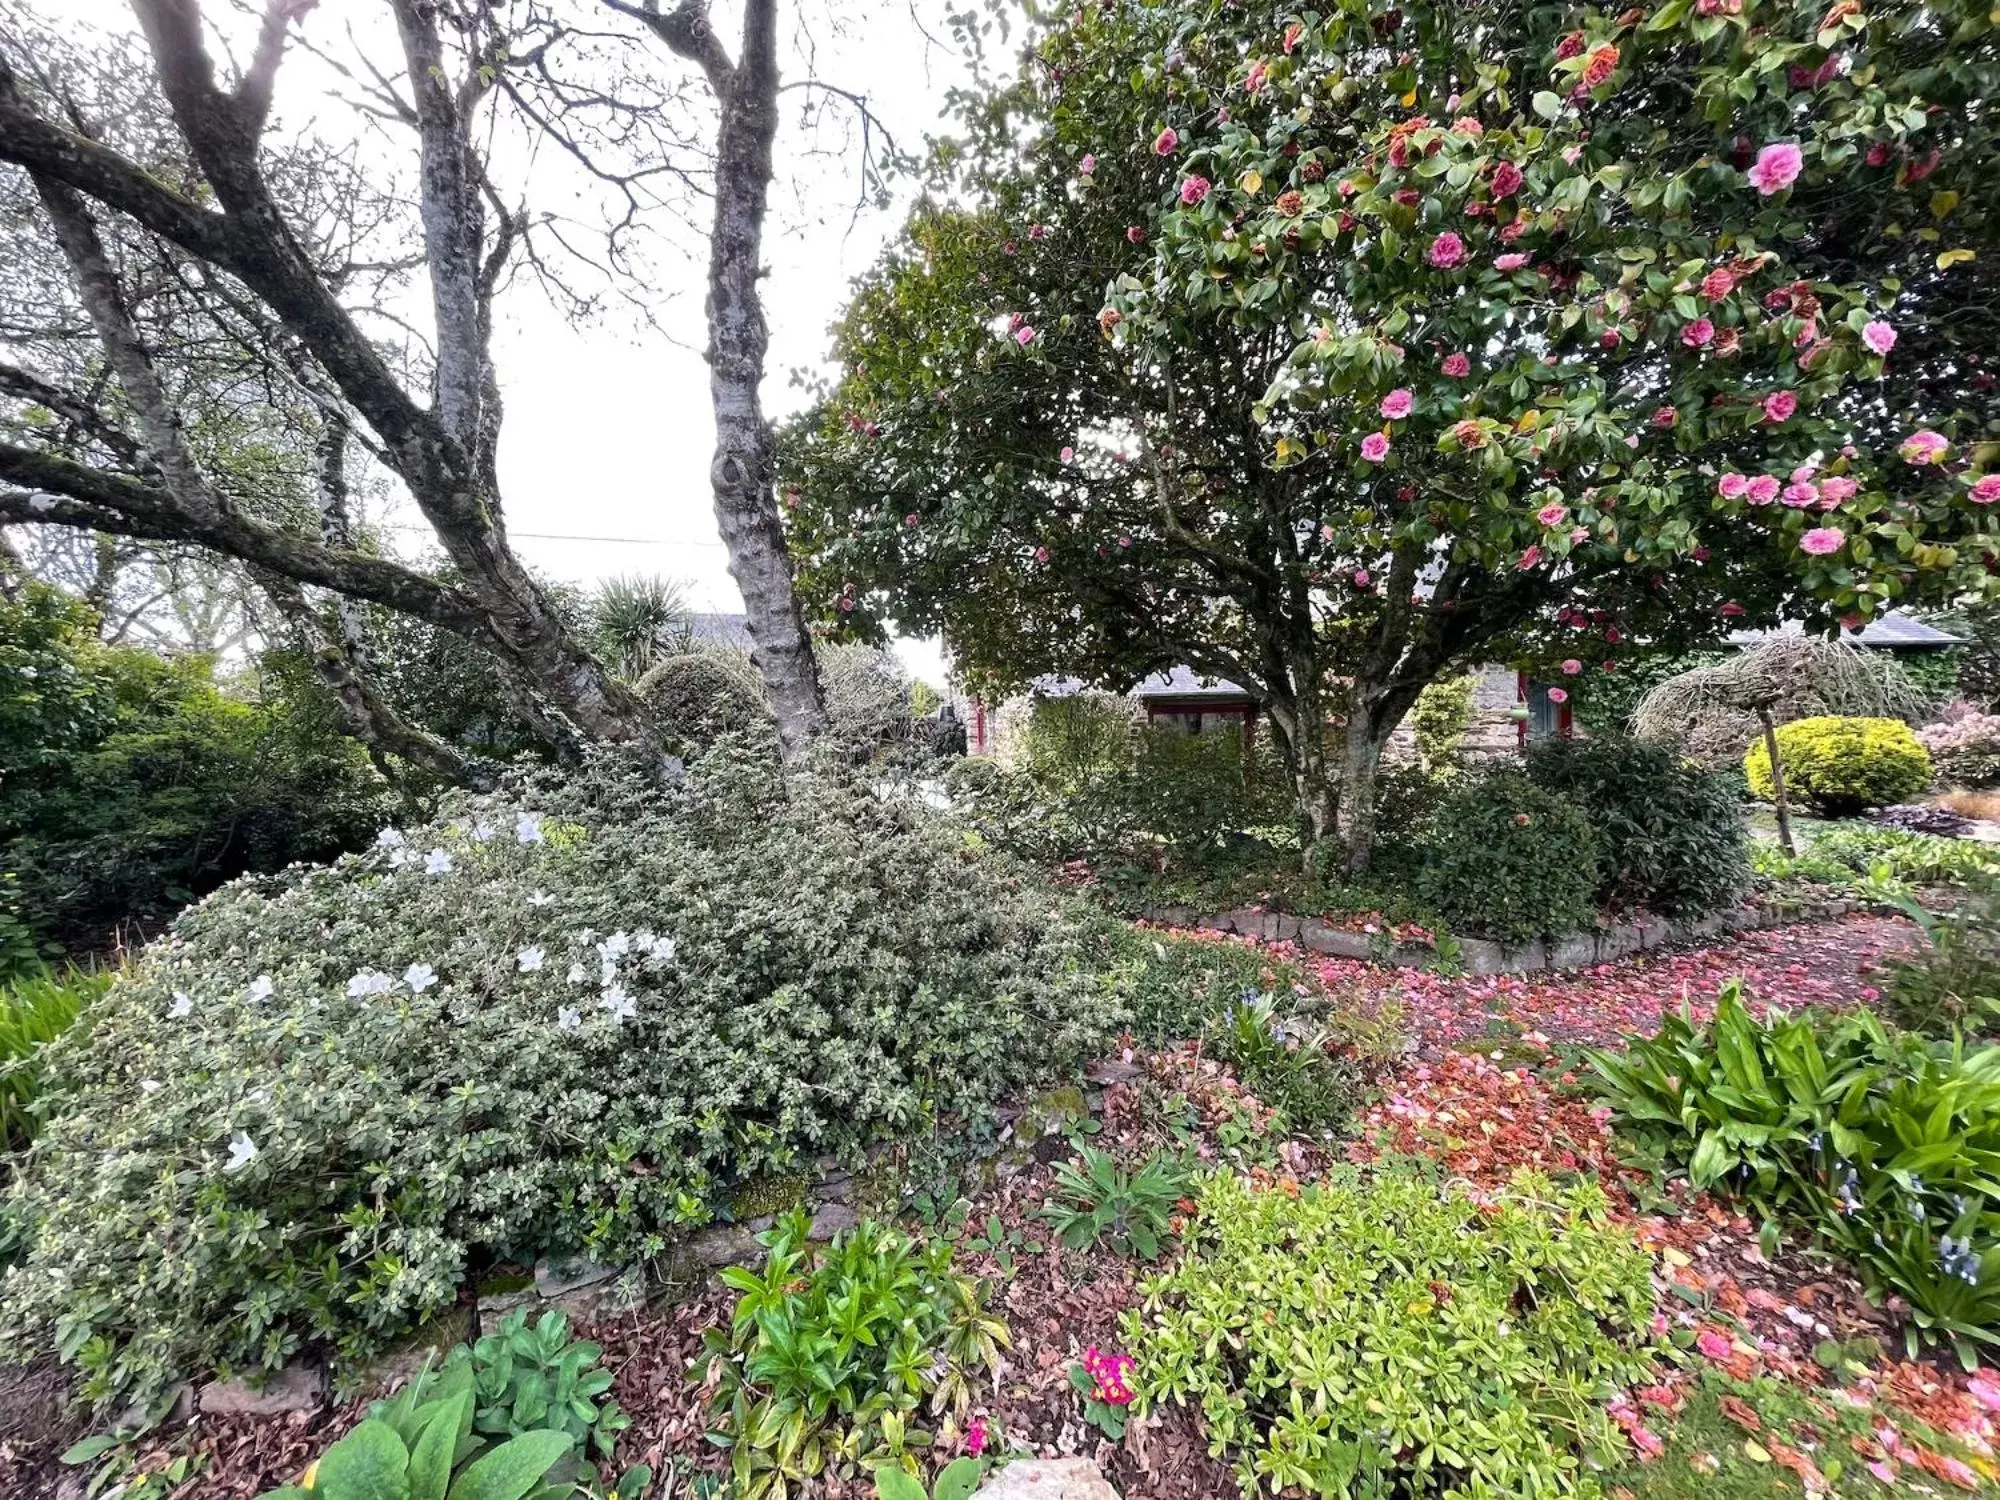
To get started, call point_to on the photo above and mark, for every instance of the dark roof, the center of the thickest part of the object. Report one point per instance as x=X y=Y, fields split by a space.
x=1894 y=631
x=1177 y=682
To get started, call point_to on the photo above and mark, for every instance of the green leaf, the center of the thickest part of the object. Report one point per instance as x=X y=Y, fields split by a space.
x=370 y=1463
x=1547 y=105
x=514 y=1468
x=958 y=1480
x=437 y=1444
x=89 y=1448
x=891 y=1483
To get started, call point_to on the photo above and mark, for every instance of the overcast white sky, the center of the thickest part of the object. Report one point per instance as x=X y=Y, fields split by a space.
x=608 y=432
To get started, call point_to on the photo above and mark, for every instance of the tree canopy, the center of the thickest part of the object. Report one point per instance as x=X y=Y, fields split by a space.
x=1360 y=343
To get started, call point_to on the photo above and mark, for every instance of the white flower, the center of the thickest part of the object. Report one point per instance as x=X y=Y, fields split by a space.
x=437 y=862
x=182 y=1007
x=149 y=1085
x=242 y=1151
x=528 y=960
x=420 y=977
x=540 y=898
x=578 y=974
x=260 y=989
x=618 y=943
x=482 y=830
x=664 y=947
x=608 y=974
x=620 y=1005
x=568 y=1018
x=583 y=938
x=528 y=828
x=643 y=937
x=400 y=857
x=389 y=838
x=368 y=982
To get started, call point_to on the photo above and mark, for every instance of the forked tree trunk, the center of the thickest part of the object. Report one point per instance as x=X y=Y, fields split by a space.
x=1779 y=802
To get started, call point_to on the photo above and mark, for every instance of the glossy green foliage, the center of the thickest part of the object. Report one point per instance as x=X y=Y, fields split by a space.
x=956 y=1481
x=835 y=1352
x=525 y=1378
x=1385 y=1334
x=1885 y=1147
x=1502 y=858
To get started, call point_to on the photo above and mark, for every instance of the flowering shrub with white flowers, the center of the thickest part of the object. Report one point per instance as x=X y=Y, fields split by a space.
x=572 y=1015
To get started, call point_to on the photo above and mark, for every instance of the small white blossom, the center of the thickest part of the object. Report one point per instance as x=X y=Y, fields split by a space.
x=182 y=1008
x=540 y=898
x=621 y=1006
x=242 y=1151
x=390 y=838
x=608 y=974
x=568 y=1018
x=420 y=977
x=368 y=982
x=528 y=828
x=482 y=831
x=642 y=938
x=619 y=942
x=149 y=1085
x=578 y=974
x=400 y=857
x=528 y=960
x=437 y=862
x=584 y=937
x=260 y=989
x=663 y=947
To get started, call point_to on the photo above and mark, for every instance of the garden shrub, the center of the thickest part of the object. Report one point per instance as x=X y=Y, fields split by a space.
x=867 y=693
x=1672 y=836
x=1292 y=1062
x=1843 y=766
x=1880 y=1144
x=699 y=696
x=572 y=1016
x=1965 y=750
x=1428 y=1342
x=1439 y=719
x=35 y=1009
x=832 y=1353
x=1952 y=983
x=130 y=784
x=1921 y=858
x=1504 y=859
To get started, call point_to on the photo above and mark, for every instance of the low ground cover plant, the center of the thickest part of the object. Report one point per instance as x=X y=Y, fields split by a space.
x=1100 y=1202
x=1386 y=1333
x=1882 y=1146
x=573 y=1016
x=1952 y=983
x=834 y=1354
x=1842 y=766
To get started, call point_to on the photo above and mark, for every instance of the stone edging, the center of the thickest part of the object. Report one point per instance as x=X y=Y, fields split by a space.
x=1577 y=951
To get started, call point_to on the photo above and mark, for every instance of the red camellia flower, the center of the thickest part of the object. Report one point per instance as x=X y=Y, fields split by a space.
x=1602 y=64
x=1731 y=610
x=1718 y=283
x=1666 y=416
x=1291 y=203
x=1570 y=46
x=1506 y=180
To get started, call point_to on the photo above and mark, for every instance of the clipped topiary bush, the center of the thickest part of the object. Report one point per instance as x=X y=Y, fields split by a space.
x=1505 y=859
x=1965 y=749
x=573 y=1016
x=699 y=696
x=1672 y=835
x=1843 y=766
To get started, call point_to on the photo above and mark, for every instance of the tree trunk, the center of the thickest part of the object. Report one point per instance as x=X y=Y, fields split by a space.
x=1361 y=756
x=1298 y=725
x=742 y=473
x=1778 y=800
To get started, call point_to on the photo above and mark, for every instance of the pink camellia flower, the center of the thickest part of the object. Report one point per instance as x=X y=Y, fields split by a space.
x=1398 y=404
x=1068 y=453
x=1776 y=168
x=1924 y=446
x=1761 y=490
x=1553 y=514
x=910 y=519
x=1511 y=262
x=1699 y=334
x=1718 y=283
x=1731 y=611
x=1507 y=180
x=1255 y=80
x=1837 y=487
x=1558 y=695
x=1041 y=554
x=1446 y=251
x=1361 y=578
x=1713 y=1344
x=1822 y=541
x=1985 y=490
x=1375 y=447
x=1571 y=666
x=1799 y=495
x=1529 y=558
x=1578 y=535
x=1779 y=406
x=1165 y=142
x=1124 y=541
x=1731 y=486
x=1456 y=366
x=1087 y=166
x=1135 y=234
x=1193 y=190
x=1666 y=416
x=1878 y=336
x=1024 y=335
x=1038 y=231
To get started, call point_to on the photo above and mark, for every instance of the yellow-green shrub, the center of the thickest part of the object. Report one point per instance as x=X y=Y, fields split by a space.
x=1843 y=766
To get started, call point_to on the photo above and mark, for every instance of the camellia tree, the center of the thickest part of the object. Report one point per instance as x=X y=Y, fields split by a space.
x=1328 y=353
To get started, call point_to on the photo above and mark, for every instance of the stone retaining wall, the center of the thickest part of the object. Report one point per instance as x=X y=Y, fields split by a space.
x=1577 y=951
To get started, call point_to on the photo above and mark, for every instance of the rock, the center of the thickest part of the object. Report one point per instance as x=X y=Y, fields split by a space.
x=1482 y=957
x=1577 y=951
x=1110 y=1070
x=1048 y=1479
x=831 y=1218
x=556 y=1276
x=294 y=1388
x=1322 y=937
x=724 y=1245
